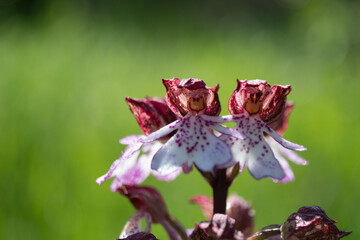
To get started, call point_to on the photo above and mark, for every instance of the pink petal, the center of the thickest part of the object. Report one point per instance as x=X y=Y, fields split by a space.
x=129 y=139
x=289 y=175
x=119 y=166
x=161 y=132
x=228 y=131
x=254 y=152
x=292 y=156
x=285 y=143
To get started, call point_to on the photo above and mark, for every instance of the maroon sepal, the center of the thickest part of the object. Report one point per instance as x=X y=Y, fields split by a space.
x=256 y=97
x=147 y=199
x=150 y=113
x=191 y=96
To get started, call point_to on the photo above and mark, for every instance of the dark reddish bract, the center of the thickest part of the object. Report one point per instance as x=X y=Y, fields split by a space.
x=191 y=96
x=150 y=113
x=146 y=199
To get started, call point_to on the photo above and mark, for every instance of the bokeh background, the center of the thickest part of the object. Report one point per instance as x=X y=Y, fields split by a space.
x=66 y=67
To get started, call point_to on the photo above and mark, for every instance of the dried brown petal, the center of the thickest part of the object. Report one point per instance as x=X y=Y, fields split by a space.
x=311 y=223
x=220 y=227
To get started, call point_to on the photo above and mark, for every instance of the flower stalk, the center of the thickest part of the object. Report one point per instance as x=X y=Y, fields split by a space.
x=220 y=188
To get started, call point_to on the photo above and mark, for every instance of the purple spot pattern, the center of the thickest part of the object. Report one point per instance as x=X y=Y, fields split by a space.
x=194 y=142
x=254 y=152
x=133 y=167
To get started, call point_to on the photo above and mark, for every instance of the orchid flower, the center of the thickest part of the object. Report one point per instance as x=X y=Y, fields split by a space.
x=197 y=107
x=133 y=166
x=256 y=105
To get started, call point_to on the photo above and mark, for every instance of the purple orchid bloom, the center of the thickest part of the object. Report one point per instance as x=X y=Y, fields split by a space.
x=256 y=105
x=194 y=141
x=133 y=166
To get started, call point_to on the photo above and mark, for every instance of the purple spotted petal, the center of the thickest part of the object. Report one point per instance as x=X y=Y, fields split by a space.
x=255 y=153
x=279 y=152
x=289 y=175
x=134 y=175
x=132 y=169
x=194 y=142
x=262 y=163
x=229 y=131
x=215 y=120
x=285 y=143
x=292 y=156
x=120 y=166
x=129 y=139
x=166 y=177
x=161 y=132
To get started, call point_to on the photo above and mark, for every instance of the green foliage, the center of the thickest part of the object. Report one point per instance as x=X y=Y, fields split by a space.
x=64 y=78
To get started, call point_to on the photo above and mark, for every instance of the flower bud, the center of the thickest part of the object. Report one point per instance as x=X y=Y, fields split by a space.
x=311 y=223
x=191 y=96
x=220 y=227
x=257 y=97
x=151 y=113
x=146 y=199
x=271 y=232
x=240 y=210
x=236 y=208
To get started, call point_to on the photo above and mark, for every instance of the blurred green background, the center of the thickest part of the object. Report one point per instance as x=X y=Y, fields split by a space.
x=66 y=67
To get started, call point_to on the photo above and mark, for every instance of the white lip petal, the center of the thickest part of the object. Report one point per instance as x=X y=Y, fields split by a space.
x=260 y=157
x=194 y=142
